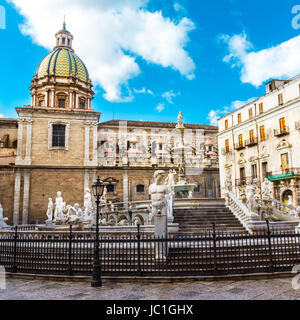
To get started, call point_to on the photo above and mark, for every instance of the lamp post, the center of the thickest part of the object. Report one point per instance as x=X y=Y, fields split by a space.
x=98 y=188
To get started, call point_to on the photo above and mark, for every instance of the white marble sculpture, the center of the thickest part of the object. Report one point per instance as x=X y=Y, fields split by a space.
x=170 y=180
x=123 y=222
x=2 y=219
x=59 y=206
x=74 y=214
x=191 y=194
x=267 y=189
x=158 y=192
x=290 y=200
x=88 y=204
x=104 y=196
x=180 y=121
x=137 y=220
x=228 y=181
x=251 y=199
x=49 y=212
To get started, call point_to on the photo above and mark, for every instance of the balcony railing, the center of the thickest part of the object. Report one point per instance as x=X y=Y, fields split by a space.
x=251 y=142
x=239 y=146
x=282 y=132
x=226 y=151
x=294 y=171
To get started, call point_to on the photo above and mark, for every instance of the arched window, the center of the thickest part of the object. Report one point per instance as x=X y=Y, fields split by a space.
x=140 y=188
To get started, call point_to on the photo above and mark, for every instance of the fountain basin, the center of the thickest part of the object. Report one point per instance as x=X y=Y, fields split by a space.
x=183 y=190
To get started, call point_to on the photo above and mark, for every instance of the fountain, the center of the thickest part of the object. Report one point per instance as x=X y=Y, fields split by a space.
x=182 y=189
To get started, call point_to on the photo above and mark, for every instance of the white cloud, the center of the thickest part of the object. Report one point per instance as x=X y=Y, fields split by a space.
x=214 y=115
x=179 y=8
x=109 y=36
x=170 y=95
x=160 y=107
x=143 y=91
x=281 y=61
x=1 y=115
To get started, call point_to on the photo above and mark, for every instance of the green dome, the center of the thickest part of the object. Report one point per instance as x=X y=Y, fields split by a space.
x=62 y=63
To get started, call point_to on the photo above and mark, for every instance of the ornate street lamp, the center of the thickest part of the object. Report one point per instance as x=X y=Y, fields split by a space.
x=98 y=188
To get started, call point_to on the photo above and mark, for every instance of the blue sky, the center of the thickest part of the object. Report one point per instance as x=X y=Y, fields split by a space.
x=228 y=49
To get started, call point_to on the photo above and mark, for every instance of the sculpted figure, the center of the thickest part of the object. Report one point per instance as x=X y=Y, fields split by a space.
x=158 y=192
x=170 y=180
x=2 y=219
x=74 y=214
x=59 y=205
x=251 y=200
x=49 y=212
x=228 y=181
x=123 y=222
x=137 y=220
x=88 y=204
x=267 y=188
x=180 y=121
x=104 y=196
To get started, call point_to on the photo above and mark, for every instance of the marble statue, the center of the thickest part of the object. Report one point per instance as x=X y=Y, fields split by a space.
x=123 y=222
x=137 y=220
x=170 y=180
x=74 y=214
x=228 y=181
x=251 y=200
x=88 y=204
x=158 y=192
x=180 y=121
x=59 y=205
x=104 y=196
x=267 y=188
x=290 y=200
x=191 y=194
x=49 y=212
x=2 y=219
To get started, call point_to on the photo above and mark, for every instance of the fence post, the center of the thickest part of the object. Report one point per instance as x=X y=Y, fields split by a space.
x=215 y=248
x=139 y=250
x=70 y=271
x=271 y=267
x=15 y=267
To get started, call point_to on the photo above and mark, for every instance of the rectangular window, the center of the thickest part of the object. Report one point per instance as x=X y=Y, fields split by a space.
x=265 y=169
x=61 y=103
x=239 y=116
x=250 y=113
x=254 y=171
x=285 y=162
x=110 y=188
x=41 y=103
x=63 y=40
x=251 y=136
x=282 y=125
x=227 y=145
x=262 y=133
x=58 y=135
x=261 y=107
x=226 y=124
x=241 y=140
x=242 y=175
x=280 y=99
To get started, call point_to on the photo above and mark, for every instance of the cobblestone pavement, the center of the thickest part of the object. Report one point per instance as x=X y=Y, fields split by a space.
x=271 y=289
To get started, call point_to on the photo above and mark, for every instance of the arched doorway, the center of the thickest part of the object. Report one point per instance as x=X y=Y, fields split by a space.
x=285 y=196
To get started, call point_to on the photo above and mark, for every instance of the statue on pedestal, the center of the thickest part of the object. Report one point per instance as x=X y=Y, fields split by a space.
x=180 y=121
x=2 y=219
x=267 y=189
x=228 y=182
x=251 y=199
x=88 y=204
x=170 y=180
x=49 y=212
x=158 y=192
x=59 y=205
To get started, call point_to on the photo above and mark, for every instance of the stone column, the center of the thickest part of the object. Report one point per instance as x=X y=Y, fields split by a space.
x=89 y=103
x=26 y=197
x=125 y=189
x=52 y=99
x=77 y=100
x=295 y=195
x=20 y=141
x=34 y=100
x=71 y=100
x=28 y=142
x=46 y=98
x=86 y=181
x=17 y=197
x=95 y=143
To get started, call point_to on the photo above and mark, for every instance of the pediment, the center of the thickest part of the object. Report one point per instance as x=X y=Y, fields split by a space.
x=283 y=144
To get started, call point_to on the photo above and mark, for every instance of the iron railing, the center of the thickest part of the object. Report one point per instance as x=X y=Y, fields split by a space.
x=209 y=253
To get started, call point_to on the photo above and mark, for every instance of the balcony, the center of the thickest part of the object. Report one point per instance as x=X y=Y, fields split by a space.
x=226 y=151
x=281 y=132
x=251 y=142
x=239 y=146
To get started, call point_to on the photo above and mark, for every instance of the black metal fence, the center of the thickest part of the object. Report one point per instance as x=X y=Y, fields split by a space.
x=139 y=254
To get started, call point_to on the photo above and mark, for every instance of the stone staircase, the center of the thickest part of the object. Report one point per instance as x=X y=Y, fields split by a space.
x=201 y=219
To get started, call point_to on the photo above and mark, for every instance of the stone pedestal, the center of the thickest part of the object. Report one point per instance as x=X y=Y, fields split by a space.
x=161 y=231
x=3 y=225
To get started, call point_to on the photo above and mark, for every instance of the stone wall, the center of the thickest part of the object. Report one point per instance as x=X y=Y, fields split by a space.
x=7 y=181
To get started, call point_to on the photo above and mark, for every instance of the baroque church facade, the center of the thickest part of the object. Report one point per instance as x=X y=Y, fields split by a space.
x=58 y=144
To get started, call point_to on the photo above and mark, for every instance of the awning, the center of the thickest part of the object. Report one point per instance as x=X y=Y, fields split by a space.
x=281 y=176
